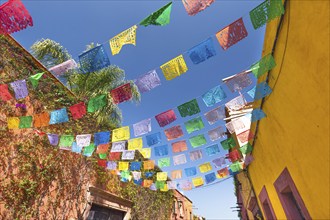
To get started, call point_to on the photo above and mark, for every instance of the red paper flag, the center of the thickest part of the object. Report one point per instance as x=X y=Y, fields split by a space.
x=231 y=34
x=4 y=93
x=102 y=163
x=173 y=132
x=78 y=110
x=114 y=155
x=245 y=136
x=122 y=93
x=233 y=155
x=165 y=118
x=14 y=17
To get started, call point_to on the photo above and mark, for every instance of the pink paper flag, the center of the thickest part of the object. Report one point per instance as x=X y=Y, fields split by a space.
x=165 y=118
x=195 y=6
x=63 y=67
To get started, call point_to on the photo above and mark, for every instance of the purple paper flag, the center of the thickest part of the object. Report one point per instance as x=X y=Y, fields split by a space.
x=179 y=159
x=63 y=67
x=142 y=127
x=148 y=81
x=53 y=139
x=20 y=89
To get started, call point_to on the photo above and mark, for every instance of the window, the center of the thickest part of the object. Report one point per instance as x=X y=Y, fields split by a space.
x=103 y=213
x=290 y=198
x=180 y=204
x=266 y=204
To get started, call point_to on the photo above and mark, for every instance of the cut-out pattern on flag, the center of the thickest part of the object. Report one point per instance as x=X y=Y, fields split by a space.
x=179 y=146
x=122 y=165
x=265 y=12
x=185 y=185
x=14 y=17
x=126 y=37
x=245 y=149
x=195 y=155
x=78 y=110
x=161 y=150
x=179 y=159
x=66 y=141
x=120 y=134
x=136 y=175
x=257 y=114
x=165 y=118
x=232 y=34
x=245 y=136
x=119 y=146
x=147 y=183
x=197 y=141
x=128 y=155
x=238 y=125
x=205 y=167
x=63 y=67
x=262 y=66
x=194 y=6
x=238 y=82
x=114 y=155
x=161 y=176
x=233 y=155
x=262 y=90
x=146 y=152
x=190 y=171
x=228 y=143
x=202 y=51
x=235 y=167
x=171 y=184
x=34 y=79
x=142 y=127
x=214 y=96
x=176 y=174
x=83 y=140
x=173 y=132
x=41 y=120
x=159 y=17
x=174 y=67
x=4 y=93
x=148 y=81
x=195 y=124
x=94 y=59
x=111 y=165
x=97 y=103
x=20 y=89
x=135 y=144
x=154 y=139
x=215 y=115
x=25 y=122
x=75 y=148
x=149 y=165
x=101 y=137
x=164 y=162
x=217 y=133
x=103 y=149
x=53 y=139
x=198 y=181
x=236 y=103
x=122 y=93
x=189 y=108
x=160 y=184
x=58 y=116
x=219 y=162
x=223 y=173
x=209 y=178
x=212 y=150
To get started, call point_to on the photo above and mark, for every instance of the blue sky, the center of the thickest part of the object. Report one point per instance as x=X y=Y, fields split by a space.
x=75 y=24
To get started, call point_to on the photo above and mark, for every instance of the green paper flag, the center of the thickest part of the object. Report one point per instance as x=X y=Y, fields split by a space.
x=88 y=151
x=262 y=66
x=245 y=149
x=197 y=141
x=189 y=108
x=235 y=167
x=103 y=156
x=228 y=143
x=265 y=12
x=34 y=79
x=66 y=140
x=195 y=124
x=97 y=103
x=160 y=17
x=125 y=174
x=164 y=162
x=160 y=184
x=25 y=122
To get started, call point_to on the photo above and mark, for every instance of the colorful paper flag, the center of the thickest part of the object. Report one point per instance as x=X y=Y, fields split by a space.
x=111 y=165
x=62 y=68
x=121 y=134
x=205 y=167
x=161 y=150
x=257 y=114
x=232 y=34
x=159 y=17
x=122 y=93
x=160 y=184
x=53 y=139
x=236 y=103
x=212 y=150
x=123 y=165
x=119 y=146
x=233 y=155
x=128 y=155
x=20 y=89
x=164 y=162
x=189 y=108
x=148 y=81
x=75 y=148
x=217 y=133
x=154 y=139
x=252 y=92
x=239 y=124
x=103 y=157
x=214 y=96
x=135 y=165
x=147 y=183
x=265 y=12
x=202 y=51
x=197 y=141
x=195 y=155
x=185 y=185
x=179 y=159
x=137 y=177
x=262 y=90
x=223 y=173
x=264 y=65
x=165 y=118
x=179 y=146
x=58 y=116
x=173 y=132
x=66 y=141
x=218 y=162
x=195 y=124
x=190 y=171
x=102 y=148
x=114 y=156
x=235 y=167
x=215 y=115
x=102 y=137
x=161 y=176
x=198 y=181
x=171 y=184
x=209 y=178
x=25 y=122
x=195 y=6
x=176 y=174
x=247 y=148
x=14 y=17
x=34 y=79
x=41 y=120
x=149 y=165
x=4 y=93
x=126 y=37
x=83 y=140
x=146 y=152
x=142 y=127
x=94 y=59
x=97 y=103
x=13 y=122
x=228 y=143
x=238 y=82
x=248 y=159
x=135 y=144
x=245 y=136
x=79 y=110
x=174 y=67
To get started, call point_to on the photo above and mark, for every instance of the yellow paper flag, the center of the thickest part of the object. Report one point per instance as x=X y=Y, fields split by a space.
x=162 y=176
x=120 y=134
x=146 y=152
x=126 y=37
x=174 y=67
x=123 y=165
x=165 y=189
x=148 y=165
x=205 y=167
x=198 y=181
x=13 y=122
x=135 y=144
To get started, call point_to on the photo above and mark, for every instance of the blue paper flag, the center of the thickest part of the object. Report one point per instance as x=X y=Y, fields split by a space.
x=154 y=139
x=161 y=150
x=75 y=148
x=209 y=178
x=202 y=51
x=58 y=116
x=214 y=96
x=138 y=182
x=212 y=150
x=135 y=165
x=191 y=171
x=252 y=92
x=257 y=114
x=94 y=59
x=101 y=138
x=149 y=174
x=262 y=90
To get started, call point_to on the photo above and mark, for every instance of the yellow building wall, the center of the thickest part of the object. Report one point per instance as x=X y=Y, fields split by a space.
x=295 y=133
